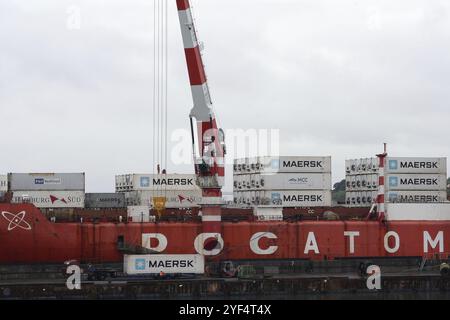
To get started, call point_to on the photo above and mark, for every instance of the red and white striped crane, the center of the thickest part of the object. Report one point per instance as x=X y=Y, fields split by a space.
x=210 y=160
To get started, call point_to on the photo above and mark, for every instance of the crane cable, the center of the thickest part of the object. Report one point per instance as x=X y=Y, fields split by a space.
x=160 y=86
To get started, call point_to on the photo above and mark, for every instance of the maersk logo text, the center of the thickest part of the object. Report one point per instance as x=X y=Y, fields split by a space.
x=172 y=264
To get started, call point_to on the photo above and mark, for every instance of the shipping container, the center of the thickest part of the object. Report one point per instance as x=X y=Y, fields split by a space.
x=51 y=199
x=167 y=264
x=46 y=181
x=285 y=164
x=105 y=201
x=416 y=196
x=290 y=181
x=287 y=198
x=416 y=165
x=174 y=199
x=3 y=183
x=416 y=182
x=151 y=182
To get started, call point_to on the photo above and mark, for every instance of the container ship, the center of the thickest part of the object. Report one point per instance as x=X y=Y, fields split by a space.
x=281 y=210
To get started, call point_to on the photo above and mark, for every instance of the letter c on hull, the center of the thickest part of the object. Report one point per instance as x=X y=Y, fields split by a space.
x=254 y=243
x=199 y=244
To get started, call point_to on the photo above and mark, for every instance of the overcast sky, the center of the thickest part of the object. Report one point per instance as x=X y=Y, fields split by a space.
x=336 y=78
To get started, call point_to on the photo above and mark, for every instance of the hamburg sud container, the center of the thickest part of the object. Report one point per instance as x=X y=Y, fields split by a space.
x=417 y=196
x=288 y=164
x=51 y=199
x=285 y=198
x=417 y=165
x=151 y=182
x=46 y=181
x=105 y=200
x=416 y=182
x=294 y=181
x=174 y=199
x=3 y=183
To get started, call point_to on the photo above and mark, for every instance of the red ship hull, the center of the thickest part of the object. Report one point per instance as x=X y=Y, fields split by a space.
x=26 y=236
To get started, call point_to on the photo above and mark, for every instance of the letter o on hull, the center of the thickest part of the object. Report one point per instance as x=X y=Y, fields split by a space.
x=199 y=244
x=386 y=242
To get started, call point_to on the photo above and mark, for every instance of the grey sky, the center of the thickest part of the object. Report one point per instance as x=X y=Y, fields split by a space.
x=336 y=77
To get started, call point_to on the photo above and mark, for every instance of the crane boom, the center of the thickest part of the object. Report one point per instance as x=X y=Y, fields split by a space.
x=210 y=164
x=211 y=146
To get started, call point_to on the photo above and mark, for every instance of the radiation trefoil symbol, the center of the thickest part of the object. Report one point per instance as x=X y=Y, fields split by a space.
x=16 y=220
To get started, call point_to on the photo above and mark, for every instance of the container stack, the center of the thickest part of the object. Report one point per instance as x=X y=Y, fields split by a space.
x=282 y=182
x=408 y=180
x=48 y=190
x=361 y=182
x=180 y=191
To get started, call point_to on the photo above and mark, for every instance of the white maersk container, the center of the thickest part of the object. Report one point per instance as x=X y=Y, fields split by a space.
x=416 y=182
x=416 y=196
x=51 y=199
x=46 y=181
x=3 y=183
x=416 y=165
x=168 y=264
x=151 y=182
x=295 y=181
x=174 y=199
x=285 y=198
x=289 y=164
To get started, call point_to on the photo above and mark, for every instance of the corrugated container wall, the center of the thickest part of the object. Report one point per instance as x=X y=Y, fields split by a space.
x=284 y=198
x=293 y=181
x=416 y=165
x=46 y=181
x=105 y=200
x=416 y=196
x=416 y=182
x=150 y=182
x=286 y=164
x=51 y=199
x=174 y=199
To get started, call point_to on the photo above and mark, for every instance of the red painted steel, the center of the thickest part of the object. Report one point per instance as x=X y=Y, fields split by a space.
x=56 y=242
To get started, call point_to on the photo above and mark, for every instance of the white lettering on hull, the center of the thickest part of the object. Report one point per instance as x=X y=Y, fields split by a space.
x=254 y=243
x=351 y=238
x=311 y=244
x=396 y=237
x=162 y=241
x=428 y=241
x=199 y=244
